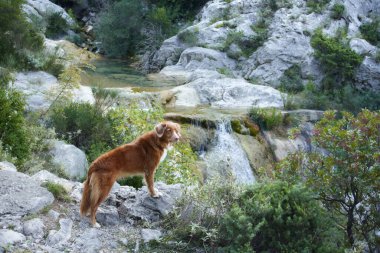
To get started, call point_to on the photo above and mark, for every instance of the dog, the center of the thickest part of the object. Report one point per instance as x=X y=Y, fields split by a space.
x=140 y=157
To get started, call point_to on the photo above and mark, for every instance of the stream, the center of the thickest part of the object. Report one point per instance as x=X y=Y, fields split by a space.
x=226 y=155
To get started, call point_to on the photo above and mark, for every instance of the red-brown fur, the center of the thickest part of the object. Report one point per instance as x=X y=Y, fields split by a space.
x=141 y=157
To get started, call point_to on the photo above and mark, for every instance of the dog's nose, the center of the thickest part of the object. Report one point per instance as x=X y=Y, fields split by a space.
x=176 y=138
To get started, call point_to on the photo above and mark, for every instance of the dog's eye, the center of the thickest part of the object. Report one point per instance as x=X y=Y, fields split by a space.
x=169 y=130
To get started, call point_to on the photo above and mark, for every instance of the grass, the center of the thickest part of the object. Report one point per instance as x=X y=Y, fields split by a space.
x=57 y=190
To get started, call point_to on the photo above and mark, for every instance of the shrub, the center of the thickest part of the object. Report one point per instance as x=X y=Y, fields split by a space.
x=266 y=118
x=119 y=28
x=58 y=191
x=17 y=36
x=13 y=127
x=83 y=125
x=277 y=217
x=346 y=175
x=316 y=5
x=56 y=26
x=337 y=11
x=189 y=37
x=337 y=60
x=371 y=31
x=291 y=81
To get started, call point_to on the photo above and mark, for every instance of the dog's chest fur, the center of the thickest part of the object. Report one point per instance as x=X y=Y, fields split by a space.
x=164 y=155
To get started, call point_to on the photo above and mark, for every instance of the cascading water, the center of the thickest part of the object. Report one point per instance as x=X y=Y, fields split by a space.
x=227 y=156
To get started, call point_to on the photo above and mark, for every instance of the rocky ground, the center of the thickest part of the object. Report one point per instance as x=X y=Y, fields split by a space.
x=31 y=220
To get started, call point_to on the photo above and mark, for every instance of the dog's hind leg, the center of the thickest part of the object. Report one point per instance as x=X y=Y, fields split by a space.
x=101 y=186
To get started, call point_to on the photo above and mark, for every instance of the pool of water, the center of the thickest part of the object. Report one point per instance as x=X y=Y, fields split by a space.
x=114 y=73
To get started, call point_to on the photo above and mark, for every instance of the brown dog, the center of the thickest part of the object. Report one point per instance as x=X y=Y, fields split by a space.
x=140 y=157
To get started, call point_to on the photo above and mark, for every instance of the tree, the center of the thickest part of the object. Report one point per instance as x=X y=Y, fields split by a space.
x=346 y=174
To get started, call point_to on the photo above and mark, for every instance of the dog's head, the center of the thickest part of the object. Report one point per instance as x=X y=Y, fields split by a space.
x=168 y=131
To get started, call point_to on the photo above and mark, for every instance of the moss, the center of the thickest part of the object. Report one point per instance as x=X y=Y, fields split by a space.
x=236 y=126
x=254 y=129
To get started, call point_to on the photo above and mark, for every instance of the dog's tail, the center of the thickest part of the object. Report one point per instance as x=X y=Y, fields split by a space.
x=86 y=196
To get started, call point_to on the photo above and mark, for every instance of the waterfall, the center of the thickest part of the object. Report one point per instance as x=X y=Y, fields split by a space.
x=227 y=156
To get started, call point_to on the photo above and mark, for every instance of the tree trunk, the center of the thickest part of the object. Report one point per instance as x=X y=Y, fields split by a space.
x=350 y=224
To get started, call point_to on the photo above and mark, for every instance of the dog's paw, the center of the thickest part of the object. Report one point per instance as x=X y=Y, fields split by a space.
x=157 y=194
x=96 y=225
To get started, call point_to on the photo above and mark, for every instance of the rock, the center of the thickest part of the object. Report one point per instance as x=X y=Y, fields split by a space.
x=34 y=227
x=13 y=222
x=142 y=206
x=53 y=214
x=9 y=237
x=20 y=195
x=362 y=47
x=226 y=93
x=368 y=75
x=259 y=155
x=89 y=241
x=43 y=9
x=107 y=216
x=45 y=176
x=72 y=159
x=305 y=115
x=36 y=85
x=150 y=235
x=62 y=235
x=203 y=58
x=4 y=165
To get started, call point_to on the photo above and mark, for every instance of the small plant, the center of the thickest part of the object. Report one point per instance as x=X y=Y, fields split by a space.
x=189 y=37
x=136 y=181
x=316 y=5
x=225 y=71
x=337 y=11
x=371 y=31
x=266 y=118
x=58 y=191
x=57 y=26
x=291 y=81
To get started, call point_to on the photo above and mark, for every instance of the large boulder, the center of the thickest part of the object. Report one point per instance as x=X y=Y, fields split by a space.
x=70 y=158
x=37 y=86
x=4 y=165
x=368 y=75
x=226 y=93
x=21 y=195
x=44 y=176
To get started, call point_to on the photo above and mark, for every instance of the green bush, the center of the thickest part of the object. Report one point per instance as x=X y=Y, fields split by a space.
x=56 y=26
x=277 y=217
x=371 y=31
x=266 y=118
x=337 y=60
x=82 y=125
x=291 y=81
x=189 y=37
x=57 y=190
x=17 y=36
x=316 y=5
x=119 y=28
x=13 y=127
x=346 y=175
x=337 y=11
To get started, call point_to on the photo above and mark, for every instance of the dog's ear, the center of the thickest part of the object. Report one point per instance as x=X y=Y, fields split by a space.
x=160 y=129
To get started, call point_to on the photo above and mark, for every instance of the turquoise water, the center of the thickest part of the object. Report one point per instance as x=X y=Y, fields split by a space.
x=114 y=73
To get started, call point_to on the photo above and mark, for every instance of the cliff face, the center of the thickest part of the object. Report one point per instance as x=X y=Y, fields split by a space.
x=259 y=40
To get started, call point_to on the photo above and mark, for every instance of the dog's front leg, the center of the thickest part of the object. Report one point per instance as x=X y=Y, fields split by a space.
x=149 y=179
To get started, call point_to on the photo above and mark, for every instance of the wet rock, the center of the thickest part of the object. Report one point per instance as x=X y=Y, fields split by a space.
x=20 y=195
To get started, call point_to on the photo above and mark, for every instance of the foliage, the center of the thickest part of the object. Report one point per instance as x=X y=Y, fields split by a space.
x=189 y=37
x=338 y=61
x=119 y=28
x=266 y=118
x=291 y=81
x=135 y=181
x=199 y=211
x=17 y=36
x=183 y=9
x=316 y=5
x=337 y=11
x=13 y=127
x=83 y=125
x=5 y=77
x=278 y=217
x=57 y=190
x=346 y=175
x=56 y=26
x=371 y=31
